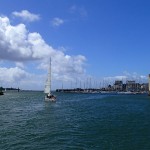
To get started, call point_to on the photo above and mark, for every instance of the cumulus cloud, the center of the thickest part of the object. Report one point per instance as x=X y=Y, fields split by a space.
x=17 y=77
x=26 y=15
x=65 y=67
x=57 y=22
x=19 y=45
x=12 y=74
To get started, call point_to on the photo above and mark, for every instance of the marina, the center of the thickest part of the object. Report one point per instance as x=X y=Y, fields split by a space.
x=130 y=87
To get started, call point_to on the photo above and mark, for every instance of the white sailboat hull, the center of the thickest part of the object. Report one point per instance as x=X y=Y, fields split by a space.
x=52 y=99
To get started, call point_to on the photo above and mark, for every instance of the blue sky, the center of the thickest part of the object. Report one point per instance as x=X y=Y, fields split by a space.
x=100 y=39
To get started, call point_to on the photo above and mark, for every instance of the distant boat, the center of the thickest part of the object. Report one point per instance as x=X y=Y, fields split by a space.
x=1 y=93
x=49 y=96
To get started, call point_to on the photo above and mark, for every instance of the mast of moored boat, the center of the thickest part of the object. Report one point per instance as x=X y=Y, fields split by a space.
x=149 y=84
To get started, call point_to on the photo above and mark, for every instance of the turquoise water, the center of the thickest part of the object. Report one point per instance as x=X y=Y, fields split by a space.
x=74 y=122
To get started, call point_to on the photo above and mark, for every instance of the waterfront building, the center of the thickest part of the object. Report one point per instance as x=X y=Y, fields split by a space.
x=130 y=86
x=145 y=87
x=124 y=87
x=137 y=87
x=118 y=85
x=149 y=83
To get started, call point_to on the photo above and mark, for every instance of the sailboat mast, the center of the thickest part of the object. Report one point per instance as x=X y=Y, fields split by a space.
x=50 y=74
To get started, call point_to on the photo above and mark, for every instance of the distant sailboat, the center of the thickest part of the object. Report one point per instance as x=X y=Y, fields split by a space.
x=1 y=91
x=49 y=96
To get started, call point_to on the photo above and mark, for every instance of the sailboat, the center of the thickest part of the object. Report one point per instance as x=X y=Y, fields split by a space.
x=1 y=91
x=49 y=96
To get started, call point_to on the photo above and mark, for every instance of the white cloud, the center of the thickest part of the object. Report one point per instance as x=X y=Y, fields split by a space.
x=128 y=76
x=74 y=9
x=16 y=77
x=26 y=15
x=115 y=78
x=12 y=74
x=57 y=22
x=20 y=65
x=18 y=45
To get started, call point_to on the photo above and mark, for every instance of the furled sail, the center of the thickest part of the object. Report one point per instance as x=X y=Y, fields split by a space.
x=48 y=81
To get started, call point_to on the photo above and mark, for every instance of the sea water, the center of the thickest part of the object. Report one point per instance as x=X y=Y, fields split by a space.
x=74 y=122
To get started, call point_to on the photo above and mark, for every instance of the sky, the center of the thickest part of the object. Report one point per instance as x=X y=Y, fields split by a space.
x=87 y=40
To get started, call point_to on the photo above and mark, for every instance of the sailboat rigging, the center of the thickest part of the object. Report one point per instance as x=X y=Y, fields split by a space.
x=49 y=96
